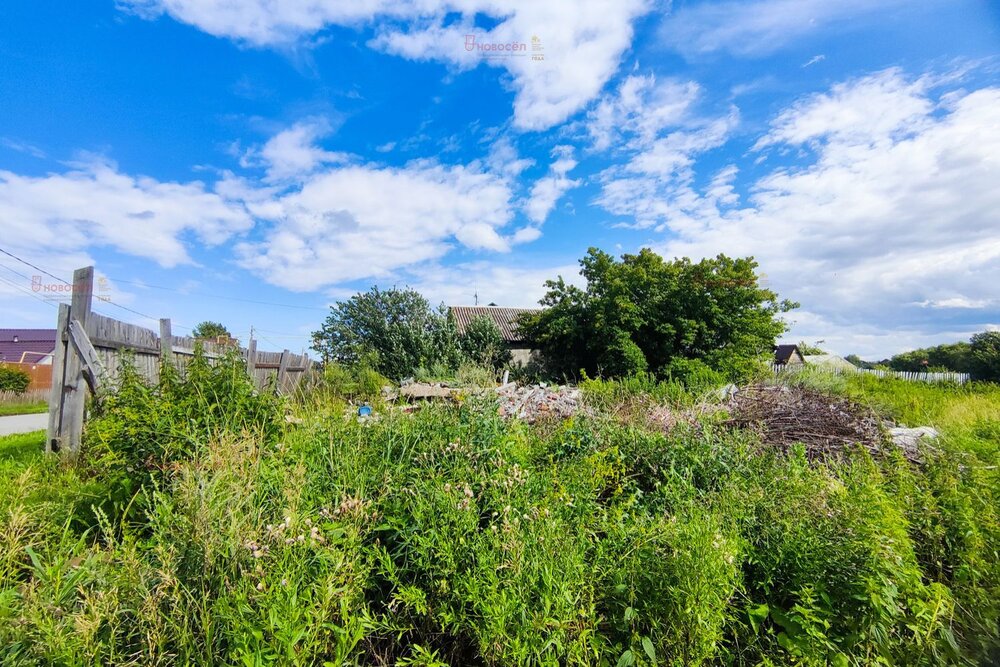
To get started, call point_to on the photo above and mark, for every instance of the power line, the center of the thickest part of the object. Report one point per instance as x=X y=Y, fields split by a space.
x=217 y=296
x=24 y=261
x=32 y=295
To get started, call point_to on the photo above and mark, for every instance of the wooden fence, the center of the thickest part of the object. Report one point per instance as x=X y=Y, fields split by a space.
x=40 y=374
x=27 y=398
x=90 y=348
x=909 y=376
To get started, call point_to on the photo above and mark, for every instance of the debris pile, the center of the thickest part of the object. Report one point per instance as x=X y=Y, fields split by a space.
x=538 y=401
x=826 y=425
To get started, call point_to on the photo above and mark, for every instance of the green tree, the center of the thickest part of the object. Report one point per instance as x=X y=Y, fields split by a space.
x=985 y=349
x=642 y=312
x=396 y=331
x=210 y=329
x=13 y=379
x=483 y=344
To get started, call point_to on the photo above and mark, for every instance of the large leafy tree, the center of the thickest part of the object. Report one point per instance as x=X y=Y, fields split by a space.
x=642 y=312
x=210 y=329
x=394 y=330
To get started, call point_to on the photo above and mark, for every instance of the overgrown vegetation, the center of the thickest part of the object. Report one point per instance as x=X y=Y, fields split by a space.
x=13 y=379
x=201 y=527
x=645 y=314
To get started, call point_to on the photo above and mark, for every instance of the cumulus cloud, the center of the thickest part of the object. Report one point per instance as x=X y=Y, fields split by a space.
x=94 y=204
x=582 y=41
x=361 y=221
x=892 y=208
x=293 y=152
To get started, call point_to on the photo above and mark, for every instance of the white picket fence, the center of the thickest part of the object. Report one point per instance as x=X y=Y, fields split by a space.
x=909 y=376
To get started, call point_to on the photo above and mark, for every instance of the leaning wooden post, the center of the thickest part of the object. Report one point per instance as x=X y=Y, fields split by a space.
x=283 y=369
x=52 y=440
x=74 y=387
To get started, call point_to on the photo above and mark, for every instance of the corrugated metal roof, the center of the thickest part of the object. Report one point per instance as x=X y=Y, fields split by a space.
x=504 y=318
x=15 y=342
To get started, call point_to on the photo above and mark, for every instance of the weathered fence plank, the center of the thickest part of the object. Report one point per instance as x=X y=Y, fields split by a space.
x=52 y=442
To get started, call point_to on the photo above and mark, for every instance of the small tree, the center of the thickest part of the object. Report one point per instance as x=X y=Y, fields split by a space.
x=483 y=344
x=210 y=329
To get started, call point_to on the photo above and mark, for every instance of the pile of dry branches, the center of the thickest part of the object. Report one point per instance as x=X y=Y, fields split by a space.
x=826 y=425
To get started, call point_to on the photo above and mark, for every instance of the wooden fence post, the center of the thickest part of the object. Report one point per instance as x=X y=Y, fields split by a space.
x=52 y=440
x=74 y=395
x=283 y=369
x=166 y=341
x=252 y=360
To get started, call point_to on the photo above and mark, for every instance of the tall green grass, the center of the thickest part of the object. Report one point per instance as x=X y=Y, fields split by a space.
x=451 y=536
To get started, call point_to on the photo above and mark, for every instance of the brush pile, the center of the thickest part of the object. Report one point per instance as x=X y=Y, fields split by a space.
x=827 y=426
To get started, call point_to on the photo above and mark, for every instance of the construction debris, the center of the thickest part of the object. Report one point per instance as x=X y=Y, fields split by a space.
x=827 y=426
x=534 y=402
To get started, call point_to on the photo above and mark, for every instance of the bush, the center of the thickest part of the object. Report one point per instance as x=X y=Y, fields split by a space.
x=139 y=431
x=13 y=379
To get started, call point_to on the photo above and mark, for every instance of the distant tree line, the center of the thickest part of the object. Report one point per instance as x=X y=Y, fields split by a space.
x=980 y=357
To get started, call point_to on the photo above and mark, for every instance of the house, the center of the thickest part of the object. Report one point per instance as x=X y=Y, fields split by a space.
x=27 y=346
x=522 y=351
x=788 y=355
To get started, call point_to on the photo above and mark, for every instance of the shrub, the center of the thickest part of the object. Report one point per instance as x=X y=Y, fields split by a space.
x=13 y=379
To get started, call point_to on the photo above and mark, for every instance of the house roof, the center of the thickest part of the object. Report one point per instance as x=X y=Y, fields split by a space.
x=504 y=318
x=15 y=342
x=782 y=353
x=830 y=361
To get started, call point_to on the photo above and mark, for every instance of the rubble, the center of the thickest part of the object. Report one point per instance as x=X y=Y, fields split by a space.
x=534 y=402
x=909 y=439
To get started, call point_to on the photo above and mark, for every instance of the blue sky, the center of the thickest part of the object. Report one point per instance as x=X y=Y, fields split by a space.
x=251 y=161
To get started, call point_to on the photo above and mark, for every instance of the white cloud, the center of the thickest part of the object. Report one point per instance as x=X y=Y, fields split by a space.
x=547 y=190
x=506 y=285
x=583 y=40
x=94 y=204
x=641 y=109
x=894 y=207
x=293 y=152
x=759 y=27
x=655 y=184
x=363 y=221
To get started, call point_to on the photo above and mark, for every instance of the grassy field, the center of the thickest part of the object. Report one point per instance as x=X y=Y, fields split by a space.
x=201 y=526
x=32 y=408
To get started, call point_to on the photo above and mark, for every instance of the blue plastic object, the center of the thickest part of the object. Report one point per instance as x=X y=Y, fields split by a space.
x=364 y=410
